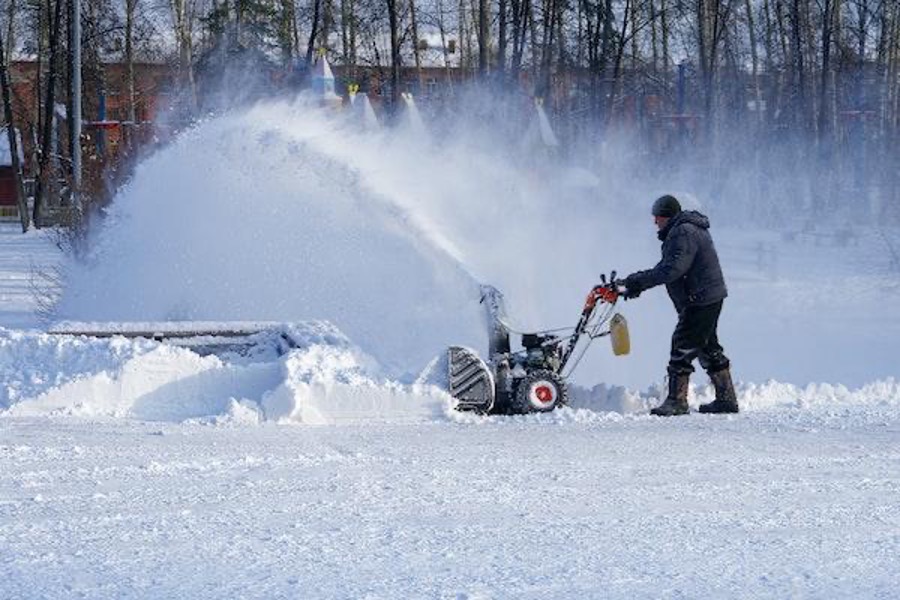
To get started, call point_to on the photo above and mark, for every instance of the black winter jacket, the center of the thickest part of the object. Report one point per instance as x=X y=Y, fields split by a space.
x=689 y=266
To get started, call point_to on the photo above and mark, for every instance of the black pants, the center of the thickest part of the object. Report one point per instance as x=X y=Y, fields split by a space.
x=695 y=337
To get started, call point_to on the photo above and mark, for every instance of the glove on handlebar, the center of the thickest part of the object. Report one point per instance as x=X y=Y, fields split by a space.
x=632 y=288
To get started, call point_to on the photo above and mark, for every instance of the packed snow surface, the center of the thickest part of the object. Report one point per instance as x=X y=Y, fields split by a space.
x=795 y=502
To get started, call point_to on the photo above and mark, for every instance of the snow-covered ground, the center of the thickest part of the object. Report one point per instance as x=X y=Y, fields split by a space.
x=338 y=469
x=134 y=470
x=794 y=503
x=28 y=263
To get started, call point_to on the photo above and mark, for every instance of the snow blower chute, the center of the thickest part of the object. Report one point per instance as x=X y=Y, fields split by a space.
x=532 y=379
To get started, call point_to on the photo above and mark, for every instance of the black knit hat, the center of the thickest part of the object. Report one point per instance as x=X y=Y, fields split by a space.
x=666 y=206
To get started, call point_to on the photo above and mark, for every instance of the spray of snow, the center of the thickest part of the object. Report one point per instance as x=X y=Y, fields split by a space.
x=261 y=225
x=288 y=212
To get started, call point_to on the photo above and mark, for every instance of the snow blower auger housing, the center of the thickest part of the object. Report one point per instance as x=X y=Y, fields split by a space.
x=532 y=379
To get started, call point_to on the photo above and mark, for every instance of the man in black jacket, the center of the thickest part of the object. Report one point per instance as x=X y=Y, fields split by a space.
x=690 y=270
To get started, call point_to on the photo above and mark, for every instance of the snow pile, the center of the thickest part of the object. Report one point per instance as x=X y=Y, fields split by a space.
x=751 y=397
x=613 y=398
x=34 y=364
x=324 y=379
x=884 y=393
x=326 y=385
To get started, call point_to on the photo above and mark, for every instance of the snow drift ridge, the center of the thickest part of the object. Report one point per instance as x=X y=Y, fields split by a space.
x=325 y=379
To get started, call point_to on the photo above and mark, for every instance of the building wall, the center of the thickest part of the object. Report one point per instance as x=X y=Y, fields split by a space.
x=151 y=84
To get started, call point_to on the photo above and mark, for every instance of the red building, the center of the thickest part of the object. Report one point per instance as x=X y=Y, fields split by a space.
x=107 y=134
x=8 y=204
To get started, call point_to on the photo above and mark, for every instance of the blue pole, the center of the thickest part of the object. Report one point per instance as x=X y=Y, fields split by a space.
x=101 y=116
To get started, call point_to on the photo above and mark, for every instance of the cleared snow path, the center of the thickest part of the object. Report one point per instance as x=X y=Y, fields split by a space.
x=783 y=503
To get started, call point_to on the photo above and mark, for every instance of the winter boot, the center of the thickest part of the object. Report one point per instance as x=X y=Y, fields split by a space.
x=726 y=399
x=676 y=402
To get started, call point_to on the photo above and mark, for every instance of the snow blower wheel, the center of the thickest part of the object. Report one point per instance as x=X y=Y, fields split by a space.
x=539 y=391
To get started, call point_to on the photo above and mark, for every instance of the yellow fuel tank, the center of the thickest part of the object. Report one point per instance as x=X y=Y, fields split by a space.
x=618 y=335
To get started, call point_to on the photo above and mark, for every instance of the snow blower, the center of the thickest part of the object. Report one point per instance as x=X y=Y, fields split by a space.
x=532 y=379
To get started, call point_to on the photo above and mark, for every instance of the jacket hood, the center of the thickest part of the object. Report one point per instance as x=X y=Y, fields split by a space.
x=694 y=218
x=686 y=216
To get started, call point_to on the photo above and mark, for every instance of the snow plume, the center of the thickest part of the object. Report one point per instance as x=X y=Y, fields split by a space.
x=286 y=211
x=245 y=219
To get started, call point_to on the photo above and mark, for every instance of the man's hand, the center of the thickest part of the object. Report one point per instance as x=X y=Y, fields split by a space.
x=633 y=289
x=631 y=293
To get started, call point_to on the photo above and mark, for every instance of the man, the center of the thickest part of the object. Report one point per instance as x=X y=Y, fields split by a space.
x=690 y=269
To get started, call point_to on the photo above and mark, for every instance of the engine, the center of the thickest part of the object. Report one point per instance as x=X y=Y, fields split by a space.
x=541 y=352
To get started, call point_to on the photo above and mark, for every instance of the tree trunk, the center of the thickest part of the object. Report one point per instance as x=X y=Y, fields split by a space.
x=800 y=106
x=285 y=31
x=327 y=24
x=10 y=28
x=484 y=37
x=183 y=17
x=862 y=26
x=607 y=32
x=547 y=43
x=501 y=40
x=130 y=6
x=313 y=33
x=45 y=180
x=786 y=73
x=353 y=46
x=829 y=9
x=446 y=51
x=462 y=29
x=754 y=57
x=622 y=38
x=414 y=26
x=394 y=21
x=634 y=37
x=345 y=31
x=654 y=39
x=664 y=26
x=520 y=28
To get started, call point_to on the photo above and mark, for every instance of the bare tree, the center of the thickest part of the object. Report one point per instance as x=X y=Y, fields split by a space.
x=394 y=21
x=130 y=6
x=46 y=178
x=183 y=21
x=484 y=36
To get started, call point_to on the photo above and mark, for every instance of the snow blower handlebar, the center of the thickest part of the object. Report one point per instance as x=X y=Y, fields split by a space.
x=607 y=292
